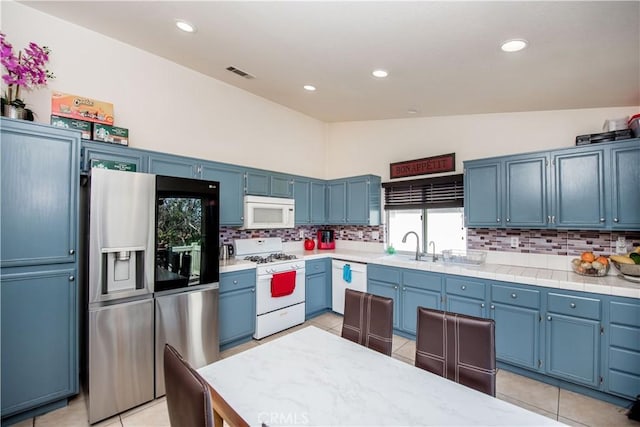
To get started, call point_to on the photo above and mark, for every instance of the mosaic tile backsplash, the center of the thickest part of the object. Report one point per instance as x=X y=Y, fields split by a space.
x=550 y=242
x=349 y=232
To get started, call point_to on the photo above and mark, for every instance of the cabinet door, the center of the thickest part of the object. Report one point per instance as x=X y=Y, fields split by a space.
x=482 y=202
x=337 y=209
x=625 y=187
x=517 y=334
x=412 y=298
x=317 y=208
x=280 y=186
x=358 y=201
x=578 y=197
x=302 y=197
x=39 y=344
x=40 y=181
x=525 y=192
x=258 y=183
x=316 y=295
x=468 y=306
x=237 y=315
x=122 y=156
x=173 y=166
x=388 y=290
x=573 y=349
x=623 y=370
x=231 y=191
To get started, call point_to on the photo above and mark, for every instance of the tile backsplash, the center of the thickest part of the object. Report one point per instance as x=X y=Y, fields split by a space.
x=342 y=232
x=550 y=242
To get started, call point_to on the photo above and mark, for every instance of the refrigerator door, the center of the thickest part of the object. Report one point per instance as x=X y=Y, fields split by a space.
x=120 y=358
x=189 y=322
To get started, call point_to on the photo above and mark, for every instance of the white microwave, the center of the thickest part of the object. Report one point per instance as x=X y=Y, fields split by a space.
x=268 y=212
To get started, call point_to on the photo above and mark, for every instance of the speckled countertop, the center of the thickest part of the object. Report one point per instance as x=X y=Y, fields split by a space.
x=545 y=277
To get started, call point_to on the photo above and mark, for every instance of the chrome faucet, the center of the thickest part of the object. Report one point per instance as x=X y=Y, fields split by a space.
x=434 y=257
x=404 y=240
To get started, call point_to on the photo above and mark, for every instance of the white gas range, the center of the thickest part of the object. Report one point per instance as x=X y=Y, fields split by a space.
x=280 y=285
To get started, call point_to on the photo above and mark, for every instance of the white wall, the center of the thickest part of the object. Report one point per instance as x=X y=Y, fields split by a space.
x=166 y=106
x=370 y=146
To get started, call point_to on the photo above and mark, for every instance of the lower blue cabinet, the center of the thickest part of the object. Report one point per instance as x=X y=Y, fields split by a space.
x=412 y=298
x=237 y=306
x=623 y=349
x=317 y=286
x=466 y=296
x=39 y=337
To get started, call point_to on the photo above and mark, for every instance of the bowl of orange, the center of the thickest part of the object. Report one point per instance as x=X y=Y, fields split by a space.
x=590 y=265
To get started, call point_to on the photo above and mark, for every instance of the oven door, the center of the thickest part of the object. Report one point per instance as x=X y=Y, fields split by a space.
x=265 y=303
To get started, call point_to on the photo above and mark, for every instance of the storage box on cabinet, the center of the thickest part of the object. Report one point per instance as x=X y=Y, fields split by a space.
x=623 y=373
x=102 y=152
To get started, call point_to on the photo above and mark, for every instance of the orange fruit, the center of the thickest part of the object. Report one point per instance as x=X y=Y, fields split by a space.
x=603 y=260
x=587 y=257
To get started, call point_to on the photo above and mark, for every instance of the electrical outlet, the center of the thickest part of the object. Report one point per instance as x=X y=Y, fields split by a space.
x=515 y=241
x=301 y=234
x=360 y=234
x=375 y=235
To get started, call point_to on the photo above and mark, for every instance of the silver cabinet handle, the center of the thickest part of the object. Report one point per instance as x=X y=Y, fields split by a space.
x=549 y=219
x=482 y=305
x=71 y=252
x=493 y=307
x=615 y=219
x=553 y=219
x=601 y=219
x=395 y=286
x=253 y=289
x=235 y=282
x=572 y=305
x=404 y=289
x=514 y=295
x=549 y=318
x=463 y=287
x=508 y=220
x=497 y=219
x=72 y=278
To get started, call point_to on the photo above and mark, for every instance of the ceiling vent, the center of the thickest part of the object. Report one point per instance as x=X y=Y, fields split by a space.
x=240 y=73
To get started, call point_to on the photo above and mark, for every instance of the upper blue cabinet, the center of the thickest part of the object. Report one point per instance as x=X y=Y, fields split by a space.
x=265 y=183
x=354 y=200
x=592 y=187
x=310 y=197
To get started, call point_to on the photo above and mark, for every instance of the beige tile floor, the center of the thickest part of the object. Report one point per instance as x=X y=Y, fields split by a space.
x=567 y=407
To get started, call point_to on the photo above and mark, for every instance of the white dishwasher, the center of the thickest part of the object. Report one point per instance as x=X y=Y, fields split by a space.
x=339 y=279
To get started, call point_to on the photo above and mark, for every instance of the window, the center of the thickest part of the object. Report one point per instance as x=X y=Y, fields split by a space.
x=432 y=208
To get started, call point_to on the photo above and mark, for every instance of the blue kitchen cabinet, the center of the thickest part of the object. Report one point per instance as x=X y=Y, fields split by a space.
x=572 y=330
x=516 y=312
x=577 y=198
x=317 y=286
x=465 y=295
x=93 y=152
x=237 y=307
x=231 y=179
x=309 y=195
x=265 y=183
x=40 y=168
x=385 y=281
x=354 y=200
x=624 y=175
x=623 y=348
x=525 y=190
x=39 y=344
x=419 y=289
x=318 y=209
x=482 y=193
x=170 y=165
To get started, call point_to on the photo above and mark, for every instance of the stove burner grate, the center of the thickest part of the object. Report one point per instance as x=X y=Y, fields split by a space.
x=270 y=258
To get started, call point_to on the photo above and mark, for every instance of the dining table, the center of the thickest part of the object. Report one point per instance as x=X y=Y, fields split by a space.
x=312 y=377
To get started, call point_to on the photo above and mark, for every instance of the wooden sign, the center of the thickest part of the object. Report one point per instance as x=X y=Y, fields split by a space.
x=428 y=165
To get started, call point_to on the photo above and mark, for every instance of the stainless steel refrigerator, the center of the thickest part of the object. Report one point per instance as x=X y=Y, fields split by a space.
x=146 y=289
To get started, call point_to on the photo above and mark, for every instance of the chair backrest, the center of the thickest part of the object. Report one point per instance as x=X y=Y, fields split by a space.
x=458 y=347
x=188 y=398
x=368 y=320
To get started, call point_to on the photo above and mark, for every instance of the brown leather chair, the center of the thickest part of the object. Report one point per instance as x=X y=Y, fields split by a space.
x=458 y=347
x=368 y=320
x=188 y=398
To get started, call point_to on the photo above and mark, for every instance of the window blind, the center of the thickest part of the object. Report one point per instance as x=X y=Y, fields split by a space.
x=440 y=192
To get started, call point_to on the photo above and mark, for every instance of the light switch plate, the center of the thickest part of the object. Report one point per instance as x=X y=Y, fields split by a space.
x=360 y=234
x=301 y=234
x=515 y=241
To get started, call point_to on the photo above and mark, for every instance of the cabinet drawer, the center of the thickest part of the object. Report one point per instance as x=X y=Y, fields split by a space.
x=419 y=279
x=237 y=280
x=467 y=288
x=570 y=305
x=624 y=360
x=315 y=266
x=625 y=313
x=625 y=337
x=515 y=296
x=624 y=384
x=383 y=274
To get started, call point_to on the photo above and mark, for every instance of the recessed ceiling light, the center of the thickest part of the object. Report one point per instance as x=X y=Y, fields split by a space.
x=513 y=45
x=185 y=26
x=310 y=88
x=379 y=73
